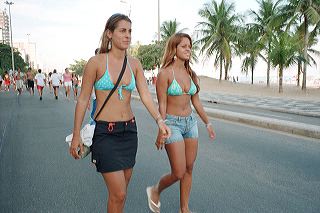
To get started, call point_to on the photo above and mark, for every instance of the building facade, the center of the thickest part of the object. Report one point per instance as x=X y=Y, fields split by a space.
x=28 y=52
x=4 y=28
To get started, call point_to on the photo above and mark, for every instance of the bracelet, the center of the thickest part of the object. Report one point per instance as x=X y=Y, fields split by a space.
x=160 y=120
x=158 y=117
x=208 y=124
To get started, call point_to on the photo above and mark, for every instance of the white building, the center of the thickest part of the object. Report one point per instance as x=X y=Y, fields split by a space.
x=4 y=28
x=28 y=53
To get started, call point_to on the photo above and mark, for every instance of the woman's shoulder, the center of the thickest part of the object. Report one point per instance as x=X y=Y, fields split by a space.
x=133 y=61
x=163 y=72
x=96 y=60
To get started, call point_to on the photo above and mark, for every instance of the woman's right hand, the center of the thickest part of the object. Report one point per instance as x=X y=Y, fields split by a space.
x=164 y=129
x=163 y=133
x=75 y=146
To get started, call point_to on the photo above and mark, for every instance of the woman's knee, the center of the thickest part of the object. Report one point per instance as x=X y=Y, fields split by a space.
x=189 y=168
x=118 y=197
x=178 y=174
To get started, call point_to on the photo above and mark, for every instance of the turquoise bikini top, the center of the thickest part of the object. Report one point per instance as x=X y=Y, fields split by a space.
x=105 y=82
x=175 y=89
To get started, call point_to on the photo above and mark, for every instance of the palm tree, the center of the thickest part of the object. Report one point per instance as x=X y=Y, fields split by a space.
x=219 y=33
x=309 y=12
x=195 y=48
x=312 y=41
x=168 y=28
x=251 y=49
x=283 y=53
x=267 y=20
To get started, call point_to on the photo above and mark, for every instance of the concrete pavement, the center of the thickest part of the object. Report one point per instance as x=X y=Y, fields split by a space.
x=303 y=108
x=245 y=169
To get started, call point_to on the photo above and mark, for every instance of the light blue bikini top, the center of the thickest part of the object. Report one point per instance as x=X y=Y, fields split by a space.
x=105 y=82
x=175 y=89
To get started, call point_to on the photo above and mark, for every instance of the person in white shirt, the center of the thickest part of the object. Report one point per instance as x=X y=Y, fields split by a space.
x=55 y=82
x=40 y=82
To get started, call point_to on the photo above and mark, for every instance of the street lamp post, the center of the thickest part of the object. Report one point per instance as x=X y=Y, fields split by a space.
x=12 y=57
x=158 y=20
x=28 y=50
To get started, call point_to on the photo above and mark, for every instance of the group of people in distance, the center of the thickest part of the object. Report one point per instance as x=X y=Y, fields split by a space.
x=115 y=138
x=19 y=80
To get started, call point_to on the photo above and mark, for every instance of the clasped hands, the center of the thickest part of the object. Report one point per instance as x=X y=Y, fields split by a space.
x=163 y=133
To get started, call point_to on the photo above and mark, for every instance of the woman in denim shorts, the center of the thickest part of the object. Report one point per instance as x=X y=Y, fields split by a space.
x=177 y=88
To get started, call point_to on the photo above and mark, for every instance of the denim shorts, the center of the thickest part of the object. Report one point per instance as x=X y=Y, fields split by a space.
x=181 y=127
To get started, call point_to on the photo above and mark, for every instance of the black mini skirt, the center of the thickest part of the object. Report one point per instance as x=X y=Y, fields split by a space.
x=114 y=145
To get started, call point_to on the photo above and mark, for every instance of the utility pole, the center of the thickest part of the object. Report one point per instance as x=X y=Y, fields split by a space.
x=12 y=56
x=158 y=20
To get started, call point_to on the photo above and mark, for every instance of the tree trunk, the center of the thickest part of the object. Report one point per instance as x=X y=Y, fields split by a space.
x=226 y=66
x=252 y=74
x=268 y=68
x=298 y=75
x=220 y=69
x=280 y=78
x=305 y=53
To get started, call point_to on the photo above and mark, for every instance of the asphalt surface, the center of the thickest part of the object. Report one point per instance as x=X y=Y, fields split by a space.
x=246 y=169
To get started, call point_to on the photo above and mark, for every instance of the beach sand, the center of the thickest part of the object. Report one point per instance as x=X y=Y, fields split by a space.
x=289 y=91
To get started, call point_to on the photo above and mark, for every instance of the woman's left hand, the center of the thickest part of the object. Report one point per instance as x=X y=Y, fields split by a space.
x=211 y=132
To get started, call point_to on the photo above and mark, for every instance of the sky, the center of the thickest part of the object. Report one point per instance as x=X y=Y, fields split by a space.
x=65 y=31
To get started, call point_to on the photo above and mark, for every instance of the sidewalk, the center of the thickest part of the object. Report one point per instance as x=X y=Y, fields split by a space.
x=293 y=106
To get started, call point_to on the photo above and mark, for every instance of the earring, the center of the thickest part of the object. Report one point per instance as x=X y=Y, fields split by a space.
x=109 y=45
x=174 y=57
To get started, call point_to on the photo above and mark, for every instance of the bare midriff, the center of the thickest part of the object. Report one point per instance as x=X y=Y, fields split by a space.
x=179 y=105
x=115 y=109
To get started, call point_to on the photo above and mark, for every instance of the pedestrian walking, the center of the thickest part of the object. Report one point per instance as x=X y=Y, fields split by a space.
x=55 y=82
x=50 y=82
x=19 y=81
x=40 y=82
x=1 y=79
x=30 y=81
x=75 y=85
x=67 y=81
x=115 y=138
x=177 y=87
x=7 y=81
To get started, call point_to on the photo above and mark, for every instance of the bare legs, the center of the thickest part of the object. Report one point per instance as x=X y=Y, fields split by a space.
x=117 y=184
x=55 y=91
x=182 y=156
x=75 y=93
x=67 y=92
x=186 y=181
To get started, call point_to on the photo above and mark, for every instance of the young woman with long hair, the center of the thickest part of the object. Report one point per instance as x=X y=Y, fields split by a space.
x=115 y=138
x=178 y=87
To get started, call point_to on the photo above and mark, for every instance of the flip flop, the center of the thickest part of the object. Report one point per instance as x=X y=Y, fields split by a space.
x=152 y=205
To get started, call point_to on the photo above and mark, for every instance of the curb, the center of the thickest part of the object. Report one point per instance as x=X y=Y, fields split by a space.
x=274 y=109
x=306 y=130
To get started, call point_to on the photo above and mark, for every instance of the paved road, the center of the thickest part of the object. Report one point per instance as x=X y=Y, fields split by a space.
x=246 y=169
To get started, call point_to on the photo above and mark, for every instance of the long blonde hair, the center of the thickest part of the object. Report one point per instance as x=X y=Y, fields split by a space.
x=110 y=25
x=170 y=52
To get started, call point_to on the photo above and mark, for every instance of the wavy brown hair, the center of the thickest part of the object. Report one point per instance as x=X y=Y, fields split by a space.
x=111 y=25
x=170 y=52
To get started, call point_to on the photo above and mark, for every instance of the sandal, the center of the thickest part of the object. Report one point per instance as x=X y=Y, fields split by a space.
x=152 y=205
